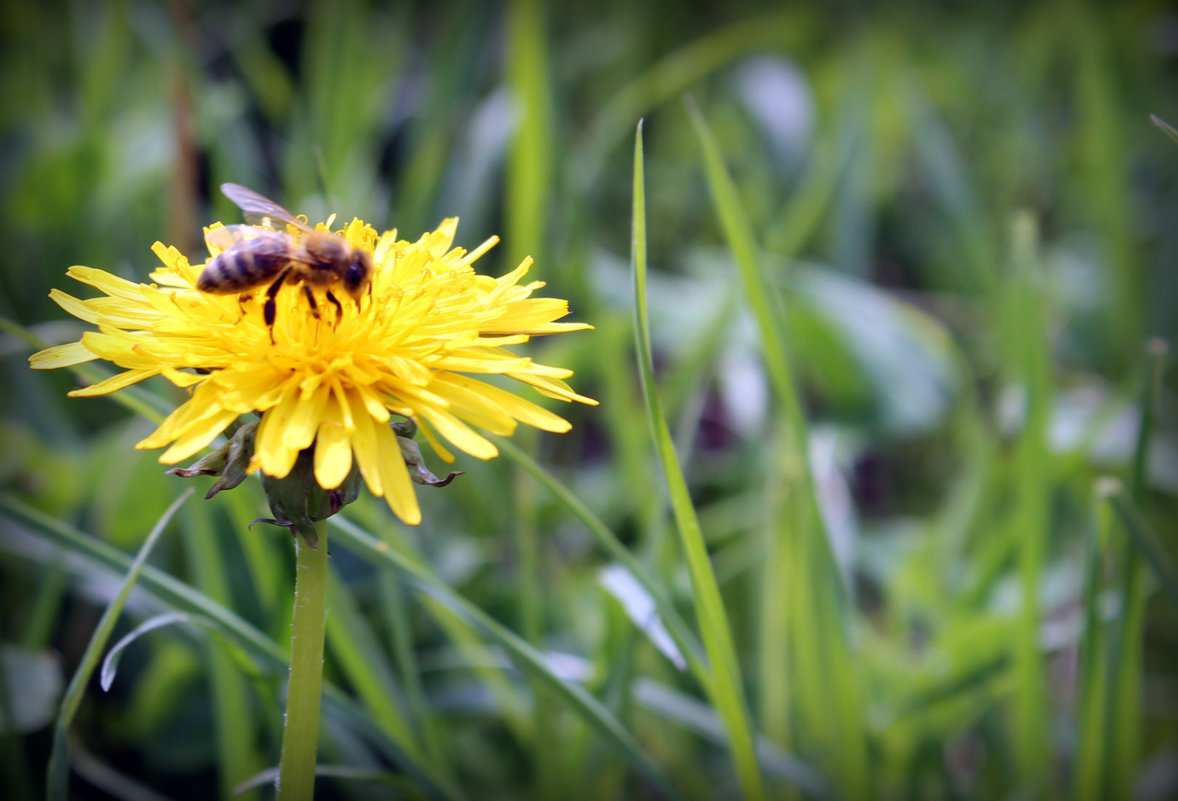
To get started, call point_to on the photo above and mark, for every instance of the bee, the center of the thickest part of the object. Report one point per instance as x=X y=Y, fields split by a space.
x=254 y=254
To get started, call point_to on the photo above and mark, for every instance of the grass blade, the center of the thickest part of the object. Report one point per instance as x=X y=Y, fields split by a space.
x=405 y=665
x=813 y=615
x=724 y=679
x=57 y=777
x=1102 y=140
x=134 y=398
x=1127 y=639
x=759 y=296
x=680 y=632
x=529 y=165
x=1166 y=127
x=110 y=664
x=1028 y=354
x=1091 y=762
x=238 y=634
x=675 y=73
x=530 y=661
x=1146 y=540
x=166 y=588
x=353 y=646
x=237 y=755
x=683 y=710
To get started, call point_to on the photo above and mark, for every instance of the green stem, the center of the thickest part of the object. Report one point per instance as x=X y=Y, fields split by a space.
x=300 y=732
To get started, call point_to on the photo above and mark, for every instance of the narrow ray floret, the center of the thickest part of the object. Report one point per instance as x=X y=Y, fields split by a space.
x=333 y=337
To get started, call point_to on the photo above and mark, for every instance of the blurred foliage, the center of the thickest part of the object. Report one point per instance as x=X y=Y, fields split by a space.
x=966 y=215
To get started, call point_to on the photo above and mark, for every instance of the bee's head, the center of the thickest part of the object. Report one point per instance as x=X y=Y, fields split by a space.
x=356 y=276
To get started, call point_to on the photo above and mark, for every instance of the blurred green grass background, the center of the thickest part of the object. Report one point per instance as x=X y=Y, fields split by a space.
x=962 y=221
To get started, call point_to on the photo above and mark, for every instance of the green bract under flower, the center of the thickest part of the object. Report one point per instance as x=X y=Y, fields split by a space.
x=410 y=347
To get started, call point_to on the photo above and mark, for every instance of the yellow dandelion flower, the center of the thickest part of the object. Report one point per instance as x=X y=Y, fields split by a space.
x=331 y=374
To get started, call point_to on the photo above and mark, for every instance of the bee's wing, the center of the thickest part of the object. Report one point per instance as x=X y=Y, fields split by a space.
x=260 y=210
x=227 y=236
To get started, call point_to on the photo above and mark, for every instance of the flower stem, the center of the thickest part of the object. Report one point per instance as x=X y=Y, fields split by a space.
x=300 y=732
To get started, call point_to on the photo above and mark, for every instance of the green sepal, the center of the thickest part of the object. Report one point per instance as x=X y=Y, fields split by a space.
x=230 y=461
x=411 y=453
x=297 y=500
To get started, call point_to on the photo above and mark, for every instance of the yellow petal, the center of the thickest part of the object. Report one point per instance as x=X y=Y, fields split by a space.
x=333 y=449
x=181 y=378
x=438 y=242
x=373 y=404
x=304 y=420
x=523 y=410
x=533 y=315
x=364 y=444
x=198 y=437
x=552 y=388
x=506 y=282
x=276 y=457
x=73 y=306
x=459 y=434
x=66 y=355
x=473 y=407
x=166 y=277
x=113 y=384
x=192 y=416
x=473 y=256
x=116 y=346
x=471 y=361
x=106 y=282
x=174 y=424
x=177 y=262
x=494 y=340
x=394 y=477
x=252 y=387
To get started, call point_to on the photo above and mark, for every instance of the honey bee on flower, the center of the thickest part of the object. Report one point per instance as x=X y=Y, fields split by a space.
x=256 y=255
x=428 y=327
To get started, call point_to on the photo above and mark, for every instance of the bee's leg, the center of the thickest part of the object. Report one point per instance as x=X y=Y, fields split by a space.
x=339 y=310
x=311 y=300
x=270 y=310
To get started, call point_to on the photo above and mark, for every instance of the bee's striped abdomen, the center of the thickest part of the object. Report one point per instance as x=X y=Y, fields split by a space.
x=246 y=265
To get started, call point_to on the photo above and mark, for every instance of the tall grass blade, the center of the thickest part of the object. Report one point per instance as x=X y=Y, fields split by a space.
x=1166 y=127
x=813 y=597
x=1156 y=353
x=134 y=398
x=111 y=782
x=529 y=165
x=396 y=614
x=238 y=634
x=354 y=649
x=760 y=297
x=237 y=755
x=686 y=711
x=724 y=685
x=530 y=661
x=1090 y=767
x=57 y=777
x=1127 y=666
x=685 y=640
x=162 y=586
x=1103 y=170
x=110 y=664
x=675 y=73
x=1148 y=543
x=1028 y=355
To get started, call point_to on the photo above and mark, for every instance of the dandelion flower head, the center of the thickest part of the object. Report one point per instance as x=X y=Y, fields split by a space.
x=332 y=376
